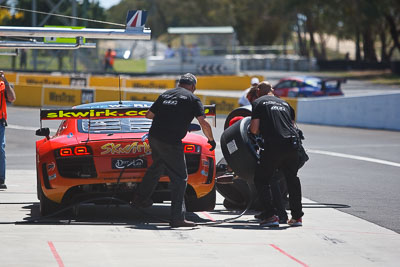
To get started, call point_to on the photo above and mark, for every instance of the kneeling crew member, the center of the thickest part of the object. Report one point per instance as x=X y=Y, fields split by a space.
x=271 y=116
x=172 y=113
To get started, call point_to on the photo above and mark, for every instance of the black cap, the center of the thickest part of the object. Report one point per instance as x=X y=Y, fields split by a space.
x=188 y=78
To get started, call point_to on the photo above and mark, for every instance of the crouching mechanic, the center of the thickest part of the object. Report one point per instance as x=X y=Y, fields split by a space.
x=271 y=117
x=172 y=114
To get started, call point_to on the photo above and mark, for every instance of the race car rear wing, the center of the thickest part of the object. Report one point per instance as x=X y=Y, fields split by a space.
x=102 y=113
x=338 y=81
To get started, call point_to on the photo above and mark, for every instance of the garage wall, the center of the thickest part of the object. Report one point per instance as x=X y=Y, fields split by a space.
x=371 y=111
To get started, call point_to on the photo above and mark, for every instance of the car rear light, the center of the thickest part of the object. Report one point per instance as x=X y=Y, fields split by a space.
x=188 y=148
x=65 y=152
x=81 y=150
x=74 y=151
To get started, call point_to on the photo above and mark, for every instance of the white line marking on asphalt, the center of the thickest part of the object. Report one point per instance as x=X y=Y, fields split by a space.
x=17 y=127
x=335 y=154
x=27 y=128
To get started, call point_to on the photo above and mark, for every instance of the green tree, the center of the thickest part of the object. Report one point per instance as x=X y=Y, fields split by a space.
x=93 y=11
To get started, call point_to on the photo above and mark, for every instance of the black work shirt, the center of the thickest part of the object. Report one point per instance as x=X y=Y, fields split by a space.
x=275 y=116
x=174 y=110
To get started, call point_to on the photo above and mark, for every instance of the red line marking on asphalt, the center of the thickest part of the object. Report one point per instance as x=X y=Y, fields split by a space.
x=287 y=254
x=55 y=254
x=208 y=216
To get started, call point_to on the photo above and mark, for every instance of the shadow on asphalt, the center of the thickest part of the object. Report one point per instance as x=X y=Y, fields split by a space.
x=90 y=214
x=154 y=218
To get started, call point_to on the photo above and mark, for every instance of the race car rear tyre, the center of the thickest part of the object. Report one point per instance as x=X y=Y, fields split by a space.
x=233 y=206
x=205 y=203
x=244 y=111
x=46 y=206
x=238 y=149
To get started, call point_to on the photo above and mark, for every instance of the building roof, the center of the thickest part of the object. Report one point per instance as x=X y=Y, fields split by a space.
x=201 y=30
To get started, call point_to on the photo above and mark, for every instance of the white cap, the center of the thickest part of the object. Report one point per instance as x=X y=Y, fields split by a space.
x=254 y=80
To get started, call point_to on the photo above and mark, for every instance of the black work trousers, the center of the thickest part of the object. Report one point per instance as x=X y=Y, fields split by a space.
x=285 y=159
x=167 y=159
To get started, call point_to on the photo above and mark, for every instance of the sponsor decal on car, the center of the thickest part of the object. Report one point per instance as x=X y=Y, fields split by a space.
x=129 y=163
x=51 y=166
x=135 y=147
x=99 y=113
x=91 y=113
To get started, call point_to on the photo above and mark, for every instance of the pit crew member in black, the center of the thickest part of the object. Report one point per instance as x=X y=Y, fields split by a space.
x=172 y=114
x=271 y=116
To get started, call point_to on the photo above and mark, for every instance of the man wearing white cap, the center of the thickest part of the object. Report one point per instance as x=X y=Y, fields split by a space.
x=243 y=100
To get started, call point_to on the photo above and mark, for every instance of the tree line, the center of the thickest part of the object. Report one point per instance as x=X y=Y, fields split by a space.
x=373 y=25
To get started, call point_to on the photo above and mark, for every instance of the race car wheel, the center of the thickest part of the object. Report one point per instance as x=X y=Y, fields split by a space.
x=236 y=193
x=205 y=203
x=233 y=206
x=37 y=185
x=46 y=205
x=244 y=111
x=239 y=150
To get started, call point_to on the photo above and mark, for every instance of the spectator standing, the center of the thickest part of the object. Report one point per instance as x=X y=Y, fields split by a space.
x=194 y=50
x=243 y=100
x=109 y=60
x=22 y=59
x=169 y=52
x=6 y=94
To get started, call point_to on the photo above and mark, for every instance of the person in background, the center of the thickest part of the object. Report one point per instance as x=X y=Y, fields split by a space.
x=194 y=50
x=6 y=94
x=244 y=100
x=22 y=59
x=109 y=60
x=169 y=52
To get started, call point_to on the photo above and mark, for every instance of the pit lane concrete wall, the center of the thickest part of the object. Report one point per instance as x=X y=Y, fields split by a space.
x=58 y=96
x=38 y=90
x=377 y=111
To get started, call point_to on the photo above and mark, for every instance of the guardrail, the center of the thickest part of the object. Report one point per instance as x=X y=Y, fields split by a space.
x=375 y=111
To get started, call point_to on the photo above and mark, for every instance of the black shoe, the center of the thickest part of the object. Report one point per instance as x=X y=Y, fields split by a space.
x=139 y=202
x=260 y=216
x=183 y=223
x=3 y=186
x=272 y=221
x=284 y=220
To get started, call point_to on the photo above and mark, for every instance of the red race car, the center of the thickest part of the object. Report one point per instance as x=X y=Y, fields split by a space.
x=100 y=150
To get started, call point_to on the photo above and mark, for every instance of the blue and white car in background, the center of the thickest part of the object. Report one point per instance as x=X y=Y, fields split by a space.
x=308 y=86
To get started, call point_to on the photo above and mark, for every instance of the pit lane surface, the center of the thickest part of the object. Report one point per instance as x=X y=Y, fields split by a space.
x=102 y=236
